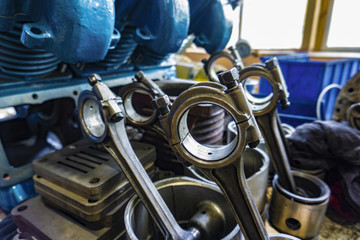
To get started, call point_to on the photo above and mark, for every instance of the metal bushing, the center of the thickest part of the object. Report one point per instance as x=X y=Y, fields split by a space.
x=207 y=210
x=261 y=106
x=138 y=109
x=300 y=214
x=92 y=117
x=209 y=65
x=184 y=142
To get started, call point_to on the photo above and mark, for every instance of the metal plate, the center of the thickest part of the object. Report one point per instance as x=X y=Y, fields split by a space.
x=42 y=222
x=103 y=212
x=87 y=170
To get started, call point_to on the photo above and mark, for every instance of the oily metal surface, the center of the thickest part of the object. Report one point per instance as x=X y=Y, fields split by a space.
x=104 y=211
x=118 y=145
x=45 y=223
x=87 y=170
x=299 y=215
x=221 y=164
x=216 y=222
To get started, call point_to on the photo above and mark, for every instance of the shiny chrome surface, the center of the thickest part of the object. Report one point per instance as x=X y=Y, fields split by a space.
x=118 y=145
x=222 y=164
x=267 y=117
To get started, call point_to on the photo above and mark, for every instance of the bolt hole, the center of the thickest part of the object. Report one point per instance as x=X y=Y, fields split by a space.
x=6 y=177
x=337 y=109
x=22 y=208
x=203 y=212
x=350 y=90
x=92 y=201
x=35 y=96
x=75 y=93
x=293 y=224
x=94 y=180
x=36 y=30
x=38 y=176
x=209 y=153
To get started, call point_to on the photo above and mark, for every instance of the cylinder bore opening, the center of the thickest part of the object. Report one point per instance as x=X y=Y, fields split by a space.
x=138 y=106
x=201 y=131
x=293 y=224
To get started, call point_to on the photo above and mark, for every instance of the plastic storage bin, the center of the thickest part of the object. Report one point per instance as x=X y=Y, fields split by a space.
x=305 y=80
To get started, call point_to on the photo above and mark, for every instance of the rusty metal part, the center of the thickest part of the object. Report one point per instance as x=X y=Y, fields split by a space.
x=35 y=219
x=222 y=164
x=353 y=115
x=206 y=210
x=268 y=119
x=109 y=113
x=349 y=95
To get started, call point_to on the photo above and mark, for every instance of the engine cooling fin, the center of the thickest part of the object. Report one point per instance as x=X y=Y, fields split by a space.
x=20 y=62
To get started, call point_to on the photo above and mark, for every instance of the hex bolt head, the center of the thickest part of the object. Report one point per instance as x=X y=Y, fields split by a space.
x=162 y=104
x=116 y=117
x=272 y=63
x=284 y=103
x=229 y=78
x=139 y=75
x=94 y=79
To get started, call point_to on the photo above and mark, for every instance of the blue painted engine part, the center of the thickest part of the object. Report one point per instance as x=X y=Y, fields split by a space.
x=12 y=196
x=209 y=23
x=111 y=37
x=74 y=31
x=161 y=27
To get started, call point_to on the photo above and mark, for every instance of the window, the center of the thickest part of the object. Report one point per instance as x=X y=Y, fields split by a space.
x=343 y=25
x=276 y=24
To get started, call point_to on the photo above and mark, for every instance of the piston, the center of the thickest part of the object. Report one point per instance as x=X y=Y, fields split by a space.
x=207 y=210
x=300 y=214
x=256 y=167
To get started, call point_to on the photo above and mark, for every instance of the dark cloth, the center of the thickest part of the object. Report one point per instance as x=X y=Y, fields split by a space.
x=324 y=145
x=332 y=146
x=7 y=228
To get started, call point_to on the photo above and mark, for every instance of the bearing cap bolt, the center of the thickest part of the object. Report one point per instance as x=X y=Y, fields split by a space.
x=284 y=103
x=272 y=63
x=229 y=78
x=162 y=104
x=94 y=79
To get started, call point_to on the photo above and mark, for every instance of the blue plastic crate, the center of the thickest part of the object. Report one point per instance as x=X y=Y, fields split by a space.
x=306 y=79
